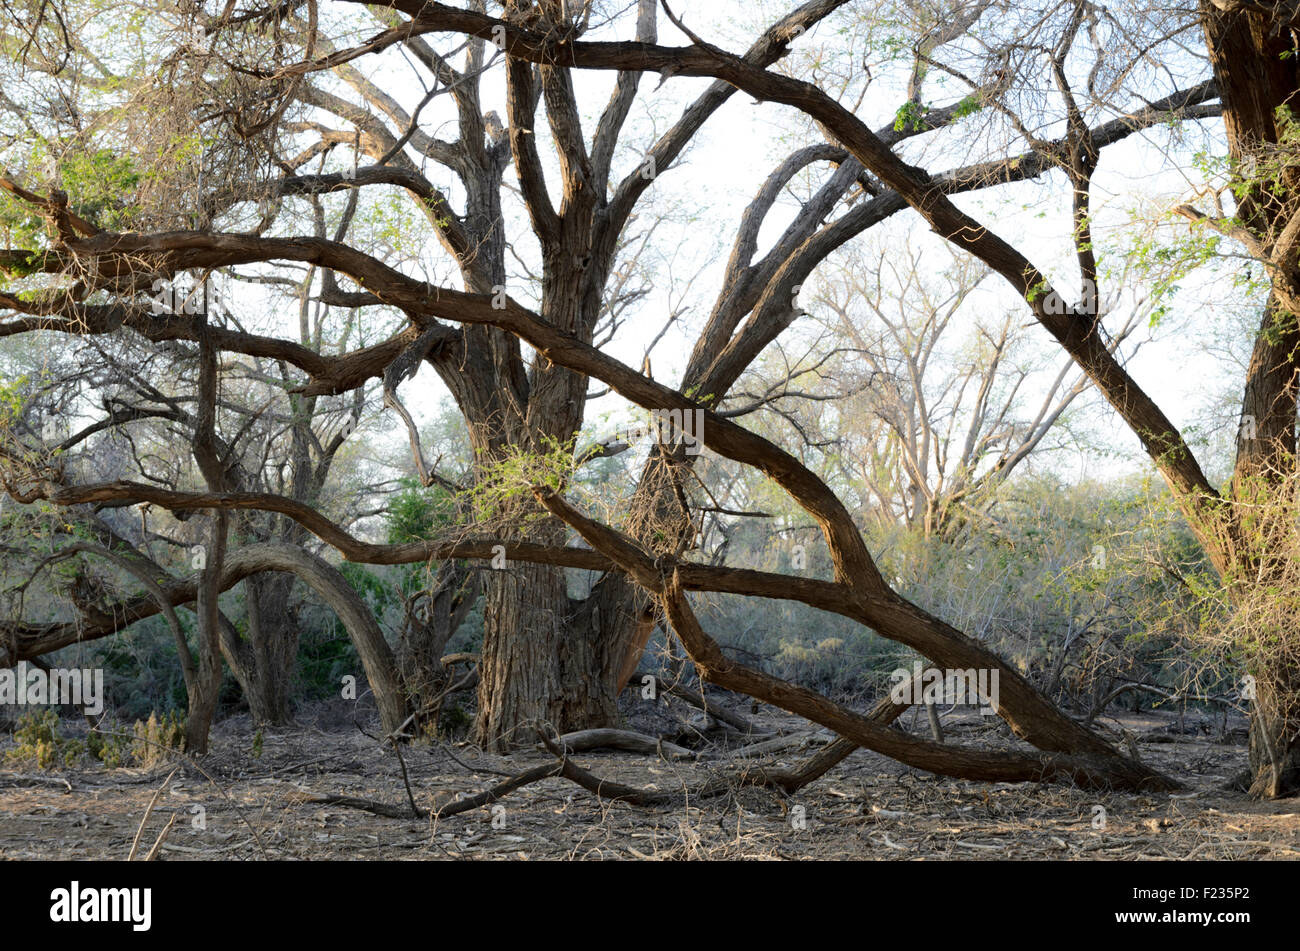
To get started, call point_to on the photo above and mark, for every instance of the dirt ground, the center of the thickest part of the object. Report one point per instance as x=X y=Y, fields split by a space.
x=233 y=805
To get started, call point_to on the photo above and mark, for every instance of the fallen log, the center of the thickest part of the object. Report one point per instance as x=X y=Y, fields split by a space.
x=582 y=741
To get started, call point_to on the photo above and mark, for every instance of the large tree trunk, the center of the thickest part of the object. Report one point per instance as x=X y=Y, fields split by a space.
x=519 y=675
x=541 y=658
x=551 y=658
x=1275 y=734
x=566 y=669
x=1257 y=74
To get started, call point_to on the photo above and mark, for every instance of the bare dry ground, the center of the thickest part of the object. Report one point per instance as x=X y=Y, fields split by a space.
x=868 y=807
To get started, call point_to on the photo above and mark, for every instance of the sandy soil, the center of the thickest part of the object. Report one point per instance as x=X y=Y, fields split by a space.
x=235 y=805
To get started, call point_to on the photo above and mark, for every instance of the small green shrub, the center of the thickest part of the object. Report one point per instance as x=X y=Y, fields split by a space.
x=157 y=739
x=39 y=741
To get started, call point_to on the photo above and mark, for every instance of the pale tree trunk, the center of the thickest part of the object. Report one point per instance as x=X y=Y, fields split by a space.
x=207 y=684
x=273 y=635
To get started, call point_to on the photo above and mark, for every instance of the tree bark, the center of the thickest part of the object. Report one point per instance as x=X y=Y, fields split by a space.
x=207 y=684
x=519 y=673
x=1256 y=72
x=1275 y=734
x=541 y=660
x=273 y=634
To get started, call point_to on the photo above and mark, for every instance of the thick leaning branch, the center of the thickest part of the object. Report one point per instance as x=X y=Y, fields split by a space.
x=715 y=667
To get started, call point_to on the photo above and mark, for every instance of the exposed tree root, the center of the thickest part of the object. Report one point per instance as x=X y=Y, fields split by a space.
x=455 y=807
x=582 y=741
